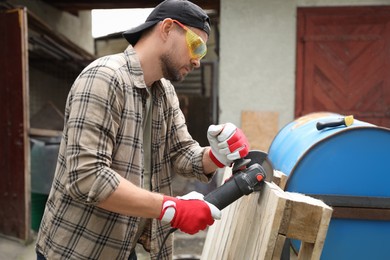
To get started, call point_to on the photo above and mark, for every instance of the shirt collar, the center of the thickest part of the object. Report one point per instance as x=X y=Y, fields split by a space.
x=135 y=68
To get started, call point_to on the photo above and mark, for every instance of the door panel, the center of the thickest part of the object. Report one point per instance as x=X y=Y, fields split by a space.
x=343 y=62
x=14 y=148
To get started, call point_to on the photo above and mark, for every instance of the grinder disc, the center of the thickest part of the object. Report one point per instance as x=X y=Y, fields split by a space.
x=260 y=157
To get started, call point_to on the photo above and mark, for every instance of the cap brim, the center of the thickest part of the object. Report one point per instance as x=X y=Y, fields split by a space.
x=133 y=35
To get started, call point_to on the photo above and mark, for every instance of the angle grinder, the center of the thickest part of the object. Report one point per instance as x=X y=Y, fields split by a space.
x=249 y=174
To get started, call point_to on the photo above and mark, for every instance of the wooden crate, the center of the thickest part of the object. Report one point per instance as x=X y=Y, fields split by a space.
x=256 y=226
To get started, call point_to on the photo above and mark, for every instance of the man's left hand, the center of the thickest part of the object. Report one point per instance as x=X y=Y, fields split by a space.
x=228 y=143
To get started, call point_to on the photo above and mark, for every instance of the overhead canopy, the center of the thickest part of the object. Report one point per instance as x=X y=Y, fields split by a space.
x=77 y=5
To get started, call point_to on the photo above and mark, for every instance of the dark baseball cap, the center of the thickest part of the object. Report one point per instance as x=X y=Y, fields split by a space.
x=182 y=10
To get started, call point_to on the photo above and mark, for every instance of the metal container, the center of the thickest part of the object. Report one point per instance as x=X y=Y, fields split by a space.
x=44 y=152
x=349 y=168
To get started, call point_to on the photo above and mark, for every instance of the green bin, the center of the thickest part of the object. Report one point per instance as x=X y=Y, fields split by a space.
x=38 y=202
x=44 y=152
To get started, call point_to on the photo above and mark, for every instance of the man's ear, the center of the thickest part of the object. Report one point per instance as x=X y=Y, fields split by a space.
x=166 y=27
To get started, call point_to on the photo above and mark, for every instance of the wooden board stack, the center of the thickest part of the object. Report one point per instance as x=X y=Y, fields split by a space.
x=256 y=226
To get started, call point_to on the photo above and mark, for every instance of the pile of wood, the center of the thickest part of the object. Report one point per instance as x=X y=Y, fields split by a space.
x=256 y=226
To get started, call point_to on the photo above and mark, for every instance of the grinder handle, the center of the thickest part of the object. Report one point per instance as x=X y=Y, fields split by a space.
x=224 y=195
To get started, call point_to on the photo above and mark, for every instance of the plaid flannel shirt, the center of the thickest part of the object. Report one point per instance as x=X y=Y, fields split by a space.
x=102 y=139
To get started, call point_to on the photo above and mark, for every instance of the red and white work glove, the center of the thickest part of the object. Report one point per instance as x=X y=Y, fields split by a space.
x=227 y=143
x=189 y=213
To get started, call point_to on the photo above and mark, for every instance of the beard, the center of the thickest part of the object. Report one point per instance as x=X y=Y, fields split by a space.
x=170 y=69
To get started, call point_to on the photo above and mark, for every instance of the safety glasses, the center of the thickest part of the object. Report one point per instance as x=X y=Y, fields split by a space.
x=196 y=45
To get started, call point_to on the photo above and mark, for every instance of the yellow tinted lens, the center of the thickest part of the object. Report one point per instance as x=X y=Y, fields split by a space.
x=196 y=45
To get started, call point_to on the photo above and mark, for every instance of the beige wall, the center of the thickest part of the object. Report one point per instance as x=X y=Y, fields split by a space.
x=78 y=28
x=257 y=58
x=110 y=46
x=47 y=81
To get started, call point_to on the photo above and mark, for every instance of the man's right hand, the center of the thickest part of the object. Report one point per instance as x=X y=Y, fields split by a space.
x=189 y=213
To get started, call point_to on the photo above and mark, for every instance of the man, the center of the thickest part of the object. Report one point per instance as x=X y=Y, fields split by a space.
x=124 y=137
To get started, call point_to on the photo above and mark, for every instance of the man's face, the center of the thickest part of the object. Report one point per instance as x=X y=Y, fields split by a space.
x=171 y=69
x=178 y=60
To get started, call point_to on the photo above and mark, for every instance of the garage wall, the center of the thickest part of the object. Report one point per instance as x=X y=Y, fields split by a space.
x=78 y=28
x=257 y=55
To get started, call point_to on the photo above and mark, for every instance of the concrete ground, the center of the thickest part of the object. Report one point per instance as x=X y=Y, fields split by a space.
x=12 y=249
x=186 y=247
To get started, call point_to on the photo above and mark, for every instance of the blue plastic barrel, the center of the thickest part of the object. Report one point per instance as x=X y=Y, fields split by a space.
x=351 y=162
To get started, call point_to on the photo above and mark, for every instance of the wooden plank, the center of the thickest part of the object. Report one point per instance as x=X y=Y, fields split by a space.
x=312 y=251
x=216 y=237
x=322 y=231
x=309 y=222
x=44 y=132
x=244 y=238
x=260 y=127
x=255 y=226
x=301 y=225
x=280 y=179
x=280 y=240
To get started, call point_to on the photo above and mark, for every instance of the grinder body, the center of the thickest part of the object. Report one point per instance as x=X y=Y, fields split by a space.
x=242 y=182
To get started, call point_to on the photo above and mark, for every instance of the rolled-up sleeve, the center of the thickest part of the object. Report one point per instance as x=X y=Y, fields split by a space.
x=91 y=130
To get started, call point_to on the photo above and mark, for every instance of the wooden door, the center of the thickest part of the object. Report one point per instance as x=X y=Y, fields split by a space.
x=14 y=148
x=343 y=62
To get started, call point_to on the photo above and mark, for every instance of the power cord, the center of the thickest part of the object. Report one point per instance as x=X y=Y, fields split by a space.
x=164 y=241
